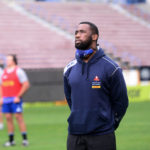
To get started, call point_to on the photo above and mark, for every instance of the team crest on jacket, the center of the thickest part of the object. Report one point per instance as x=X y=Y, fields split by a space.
x=96 y=84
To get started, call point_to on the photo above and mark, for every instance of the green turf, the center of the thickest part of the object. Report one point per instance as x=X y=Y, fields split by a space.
x=47 y=128
x=134 y=131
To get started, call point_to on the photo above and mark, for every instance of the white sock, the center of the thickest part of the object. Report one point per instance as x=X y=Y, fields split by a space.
x=1 y=126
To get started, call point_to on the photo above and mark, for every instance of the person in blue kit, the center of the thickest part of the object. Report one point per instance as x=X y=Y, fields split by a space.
x=96 y=93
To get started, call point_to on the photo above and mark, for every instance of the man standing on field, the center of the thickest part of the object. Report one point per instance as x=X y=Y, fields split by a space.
x=14 y=83
x=96 y=94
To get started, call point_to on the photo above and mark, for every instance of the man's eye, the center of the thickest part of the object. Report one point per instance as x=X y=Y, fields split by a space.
x=82 y=31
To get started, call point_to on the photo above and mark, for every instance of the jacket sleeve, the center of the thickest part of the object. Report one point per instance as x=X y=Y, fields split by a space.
x=118 y=95
x=67 y=91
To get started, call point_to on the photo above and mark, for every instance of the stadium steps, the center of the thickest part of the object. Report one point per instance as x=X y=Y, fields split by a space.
x=144 y=7
x=122 y=36
x=50 y=18
x=142 y=11
x=35 y=45
x=28 y=59
x=127 y=35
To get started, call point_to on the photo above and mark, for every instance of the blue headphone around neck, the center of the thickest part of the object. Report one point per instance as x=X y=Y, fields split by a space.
x=84 y=53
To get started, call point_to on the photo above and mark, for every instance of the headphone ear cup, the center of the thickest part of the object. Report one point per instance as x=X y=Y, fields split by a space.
x=84 y=53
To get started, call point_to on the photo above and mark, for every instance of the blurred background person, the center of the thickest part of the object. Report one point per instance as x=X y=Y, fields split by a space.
x=14 y=83
x=1 y=115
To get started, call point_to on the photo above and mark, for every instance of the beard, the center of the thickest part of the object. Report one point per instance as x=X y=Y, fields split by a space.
x=84 y=45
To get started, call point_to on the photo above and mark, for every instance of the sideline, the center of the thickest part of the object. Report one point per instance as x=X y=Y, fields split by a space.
x=45 y=104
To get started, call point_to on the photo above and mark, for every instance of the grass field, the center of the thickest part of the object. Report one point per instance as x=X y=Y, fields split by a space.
x=47 y=128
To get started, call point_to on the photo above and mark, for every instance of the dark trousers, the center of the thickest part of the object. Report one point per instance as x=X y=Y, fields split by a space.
x=91 y=142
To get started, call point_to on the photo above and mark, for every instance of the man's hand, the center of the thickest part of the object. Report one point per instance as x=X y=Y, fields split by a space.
x=1 y=101
x=16 y=100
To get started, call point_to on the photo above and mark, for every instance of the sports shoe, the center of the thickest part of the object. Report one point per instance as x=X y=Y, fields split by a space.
x=25 y=143
x=8 y=144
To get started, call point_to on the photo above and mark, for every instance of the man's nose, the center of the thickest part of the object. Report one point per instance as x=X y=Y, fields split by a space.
x=77 y=35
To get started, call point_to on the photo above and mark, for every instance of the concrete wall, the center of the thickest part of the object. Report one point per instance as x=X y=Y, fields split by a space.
x=46 y=85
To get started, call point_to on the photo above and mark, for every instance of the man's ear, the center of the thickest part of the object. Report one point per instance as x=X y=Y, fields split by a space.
x=94 y=37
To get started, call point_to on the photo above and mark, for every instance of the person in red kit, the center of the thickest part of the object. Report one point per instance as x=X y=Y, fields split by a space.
x=14 y=83
x=1 y=115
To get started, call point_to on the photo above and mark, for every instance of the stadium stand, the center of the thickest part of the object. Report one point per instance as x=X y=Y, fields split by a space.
x=35 y=45
x=122 y=37
x=129 y=37
x=140 y=10
x=144 y=7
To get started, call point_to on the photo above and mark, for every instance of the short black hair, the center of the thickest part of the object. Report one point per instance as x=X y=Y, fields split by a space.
x=92 y=26
x=14 y=58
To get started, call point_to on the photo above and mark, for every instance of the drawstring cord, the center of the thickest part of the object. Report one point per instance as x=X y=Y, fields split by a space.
x=82 y=72
x=87 y=71
x=87 y=75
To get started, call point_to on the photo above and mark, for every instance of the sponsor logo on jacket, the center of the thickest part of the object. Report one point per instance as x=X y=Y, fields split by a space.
x=96 y=84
